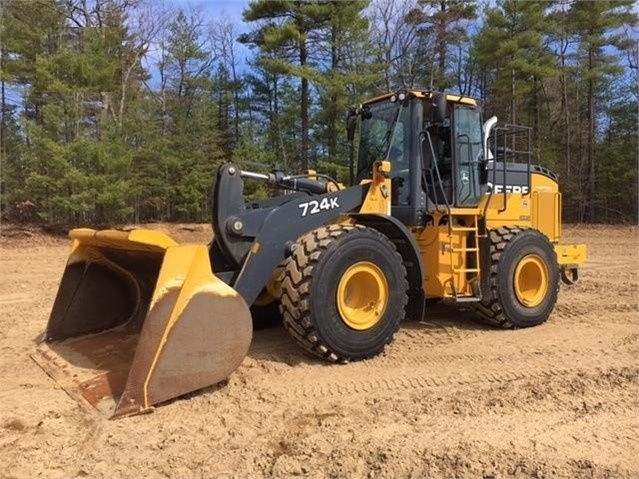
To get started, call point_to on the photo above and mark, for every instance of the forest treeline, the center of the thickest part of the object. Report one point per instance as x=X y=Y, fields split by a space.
x=121 y=110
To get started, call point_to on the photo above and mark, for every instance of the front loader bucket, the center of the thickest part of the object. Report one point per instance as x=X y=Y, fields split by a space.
x=139 y=319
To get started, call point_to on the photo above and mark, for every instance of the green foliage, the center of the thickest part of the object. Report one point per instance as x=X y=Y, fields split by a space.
x=110 y=114
x=88 y=60
x=308 y=42
x=510 y=47
x=616 y=196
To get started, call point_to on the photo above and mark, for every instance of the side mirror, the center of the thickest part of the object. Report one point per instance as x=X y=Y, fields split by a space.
x=426 y=152
x=440 y=107
x=351 y=124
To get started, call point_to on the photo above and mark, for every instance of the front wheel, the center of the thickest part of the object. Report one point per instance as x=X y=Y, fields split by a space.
x=524 y=279
x=344 y=292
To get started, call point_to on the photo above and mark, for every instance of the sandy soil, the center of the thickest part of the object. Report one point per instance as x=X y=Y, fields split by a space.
x=449 y=398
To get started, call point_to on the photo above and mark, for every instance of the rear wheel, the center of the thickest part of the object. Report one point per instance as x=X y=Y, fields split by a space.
x=344 y=292
x=524 y=279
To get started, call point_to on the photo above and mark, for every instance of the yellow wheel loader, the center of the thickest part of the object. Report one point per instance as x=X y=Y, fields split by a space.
x=440 y=207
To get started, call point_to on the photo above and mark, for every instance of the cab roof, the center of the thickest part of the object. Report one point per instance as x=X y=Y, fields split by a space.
x=424 y=94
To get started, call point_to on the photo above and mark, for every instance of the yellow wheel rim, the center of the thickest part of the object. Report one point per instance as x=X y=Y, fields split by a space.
x=362 y=295
x=531 y=280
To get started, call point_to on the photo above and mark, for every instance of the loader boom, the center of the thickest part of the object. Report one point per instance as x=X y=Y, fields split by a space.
x=246 y=248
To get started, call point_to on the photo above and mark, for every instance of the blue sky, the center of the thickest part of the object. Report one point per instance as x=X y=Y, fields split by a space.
x=211 y=11
x=232 y=8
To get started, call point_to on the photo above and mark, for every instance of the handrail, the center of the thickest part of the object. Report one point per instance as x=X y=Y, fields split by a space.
x=439 y=178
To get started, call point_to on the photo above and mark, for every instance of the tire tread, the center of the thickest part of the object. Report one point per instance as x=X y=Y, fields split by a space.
x=492 y=313
x=296 y=286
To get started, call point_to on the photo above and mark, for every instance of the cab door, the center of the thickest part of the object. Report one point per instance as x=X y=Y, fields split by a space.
x=468 y=160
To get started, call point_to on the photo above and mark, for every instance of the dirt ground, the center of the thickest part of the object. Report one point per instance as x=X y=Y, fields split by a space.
x=448 y=398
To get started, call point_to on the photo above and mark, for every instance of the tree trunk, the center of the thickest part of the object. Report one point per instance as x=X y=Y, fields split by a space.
x=441 y=49
x=591 y=141
x=304 y=108
x=332 y=116
x=3 y=109
x=566 y=108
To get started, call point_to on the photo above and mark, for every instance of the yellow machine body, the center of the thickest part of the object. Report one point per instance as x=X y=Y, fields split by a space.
x=451 y=255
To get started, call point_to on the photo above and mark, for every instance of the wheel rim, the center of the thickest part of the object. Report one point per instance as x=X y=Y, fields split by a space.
x=362 y=295
x=531 y=280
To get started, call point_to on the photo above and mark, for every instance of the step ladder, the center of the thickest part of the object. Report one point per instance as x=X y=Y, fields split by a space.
x=473 y=247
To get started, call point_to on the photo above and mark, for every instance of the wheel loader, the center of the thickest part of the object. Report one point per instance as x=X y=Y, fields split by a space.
x=439 y=207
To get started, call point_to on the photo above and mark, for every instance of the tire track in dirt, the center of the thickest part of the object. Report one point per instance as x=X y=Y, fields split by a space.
x=409 y=370
x=631 y=340
x=423 y=357
x=389 y=383
x=588 y=311
x=14 y=298
x=433 y=333
x=613 y=265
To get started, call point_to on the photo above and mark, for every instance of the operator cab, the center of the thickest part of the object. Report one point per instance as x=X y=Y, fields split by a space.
x=434 y=143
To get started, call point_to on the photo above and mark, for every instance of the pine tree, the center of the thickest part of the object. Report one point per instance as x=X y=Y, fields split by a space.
x=598 y=27
x=341 y=76
x=267 y=125
x=446 y=22
x=286 y=29
x=511 y=52
x=397 y=47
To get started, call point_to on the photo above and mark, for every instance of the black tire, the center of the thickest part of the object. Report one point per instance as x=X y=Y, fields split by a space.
x=312 y=276
x=513 y=302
